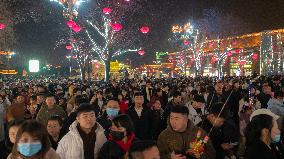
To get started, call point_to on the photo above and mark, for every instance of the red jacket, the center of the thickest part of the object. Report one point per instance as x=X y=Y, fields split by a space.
x=123 y=106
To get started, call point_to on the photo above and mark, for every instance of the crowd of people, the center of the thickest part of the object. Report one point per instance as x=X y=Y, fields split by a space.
x=168 y=118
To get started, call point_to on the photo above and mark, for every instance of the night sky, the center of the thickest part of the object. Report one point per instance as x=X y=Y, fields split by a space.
x=37 y=39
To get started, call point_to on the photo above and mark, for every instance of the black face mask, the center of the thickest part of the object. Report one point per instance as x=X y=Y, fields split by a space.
x=117 y=135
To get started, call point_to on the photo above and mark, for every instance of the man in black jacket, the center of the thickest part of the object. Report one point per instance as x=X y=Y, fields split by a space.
x=142 y=118
x=265 y=95
x=222 y=131
x=148 y=92
x=217 y=96
x=177 y=100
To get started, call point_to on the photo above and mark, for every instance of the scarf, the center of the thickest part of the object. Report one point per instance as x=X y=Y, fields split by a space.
x=124 y=146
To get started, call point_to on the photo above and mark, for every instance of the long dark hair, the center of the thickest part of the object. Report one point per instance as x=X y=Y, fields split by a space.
x=124 y=121
x=35 y=129
x=254 y=128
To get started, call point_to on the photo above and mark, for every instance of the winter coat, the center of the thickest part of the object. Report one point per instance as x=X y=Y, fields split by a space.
x=143 y=125
x=227 y=133
x=215 y=98
x=71 y=145
x=264 y=98
x=105 y=122
x=167 y=111
x=170 y=140
x=51 y=154
x=259 y=150
x=276 y=106
x=46 y=113
x=193 y=115
x=123 y=106
x=112 y=150
x=97 y=108
x=158 y=125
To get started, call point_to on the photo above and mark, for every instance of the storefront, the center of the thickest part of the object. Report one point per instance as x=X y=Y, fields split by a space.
x=238 y=69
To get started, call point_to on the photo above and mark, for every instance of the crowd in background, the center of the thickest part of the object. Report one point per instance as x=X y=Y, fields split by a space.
x=171 y=118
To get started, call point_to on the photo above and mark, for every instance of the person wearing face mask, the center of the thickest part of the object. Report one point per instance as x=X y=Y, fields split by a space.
x=262 y=134
x=120 y=139
x=32 y=142
x=112 y=111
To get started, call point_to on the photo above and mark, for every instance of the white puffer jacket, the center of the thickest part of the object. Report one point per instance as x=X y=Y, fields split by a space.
x=71 y=145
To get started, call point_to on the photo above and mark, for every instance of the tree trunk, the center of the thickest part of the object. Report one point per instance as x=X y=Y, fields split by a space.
x=107 y=70
x=83 y=72
x=89 y=70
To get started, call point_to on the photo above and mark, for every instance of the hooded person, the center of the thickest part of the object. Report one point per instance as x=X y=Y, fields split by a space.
x=179 y=138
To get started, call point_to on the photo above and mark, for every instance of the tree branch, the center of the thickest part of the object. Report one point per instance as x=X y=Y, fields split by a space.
x=97 y=29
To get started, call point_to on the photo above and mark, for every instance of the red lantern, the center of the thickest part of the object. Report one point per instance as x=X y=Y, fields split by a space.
x=144 y=29
x=214 y=59
x=211 y=44
x=141 y=52
x=107 y=10
x=254 y=56
x=229 y=54
x=71 y=23
x=69 y=47
x=76 y=28
x=97 y=65
x=2 y=26
x=62 y=1
x=116 y=27
x=186 y=42
x=242 y=62
x=237 y=51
